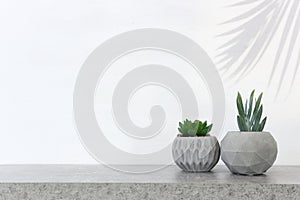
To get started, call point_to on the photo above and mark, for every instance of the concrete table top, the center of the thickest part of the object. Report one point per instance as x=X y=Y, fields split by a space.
x=100 y=182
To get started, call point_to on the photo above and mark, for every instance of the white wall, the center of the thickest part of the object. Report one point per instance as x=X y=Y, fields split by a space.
x=44 y=43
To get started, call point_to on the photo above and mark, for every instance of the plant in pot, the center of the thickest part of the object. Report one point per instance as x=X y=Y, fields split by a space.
x=250 y=151
x=194 y=150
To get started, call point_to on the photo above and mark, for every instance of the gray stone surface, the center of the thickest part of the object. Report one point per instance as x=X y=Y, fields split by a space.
x=248 y=153
x=38 y=182
x=196 y=154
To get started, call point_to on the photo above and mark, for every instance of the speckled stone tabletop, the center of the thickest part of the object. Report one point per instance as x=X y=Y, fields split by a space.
x=72 y=182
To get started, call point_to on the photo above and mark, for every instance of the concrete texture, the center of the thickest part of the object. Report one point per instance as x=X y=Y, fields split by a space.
x=248 y=153
x=196 y=154
x=38 y=182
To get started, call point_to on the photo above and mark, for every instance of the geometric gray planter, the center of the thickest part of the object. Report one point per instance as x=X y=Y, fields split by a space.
x=196 y=154
x=248 y=153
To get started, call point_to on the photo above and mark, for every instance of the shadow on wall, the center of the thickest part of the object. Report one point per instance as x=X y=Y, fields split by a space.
x=255 y=30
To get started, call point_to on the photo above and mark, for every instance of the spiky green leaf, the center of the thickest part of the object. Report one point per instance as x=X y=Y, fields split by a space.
x=262 y=124
x=257 y=104
x=209 y=128
x=241 y=124
x=257 y=119
x=239 y=103
x=250 y=103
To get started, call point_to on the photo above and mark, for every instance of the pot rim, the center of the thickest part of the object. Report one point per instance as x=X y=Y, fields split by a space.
x=196 y=137
x=250 y=132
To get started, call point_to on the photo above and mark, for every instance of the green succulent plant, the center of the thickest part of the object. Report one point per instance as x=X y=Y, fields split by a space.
x=248 y=118
x=194 y=129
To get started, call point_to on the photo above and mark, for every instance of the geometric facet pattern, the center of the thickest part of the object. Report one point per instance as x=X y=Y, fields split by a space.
x=248 y=153
x=196 y=154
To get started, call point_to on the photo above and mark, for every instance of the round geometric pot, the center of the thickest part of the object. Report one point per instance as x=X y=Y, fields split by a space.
x=196 y=154
x=248 y=153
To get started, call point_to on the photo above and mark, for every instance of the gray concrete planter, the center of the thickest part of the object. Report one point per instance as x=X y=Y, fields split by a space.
x=248 y=153
x=196 y=154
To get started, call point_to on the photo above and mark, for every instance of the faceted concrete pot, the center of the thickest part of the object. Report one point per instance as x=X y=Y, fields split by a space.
x=248 y=153
x=196 y=154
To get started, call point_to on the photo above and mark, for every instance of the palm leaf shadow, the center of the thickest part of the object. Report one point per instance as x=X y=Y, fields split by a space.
x=253 y=35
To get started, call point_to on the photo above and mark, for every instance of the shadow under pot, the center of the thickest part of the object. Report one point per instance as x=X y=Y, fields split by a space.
x=196 y=154
x=248 y=153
